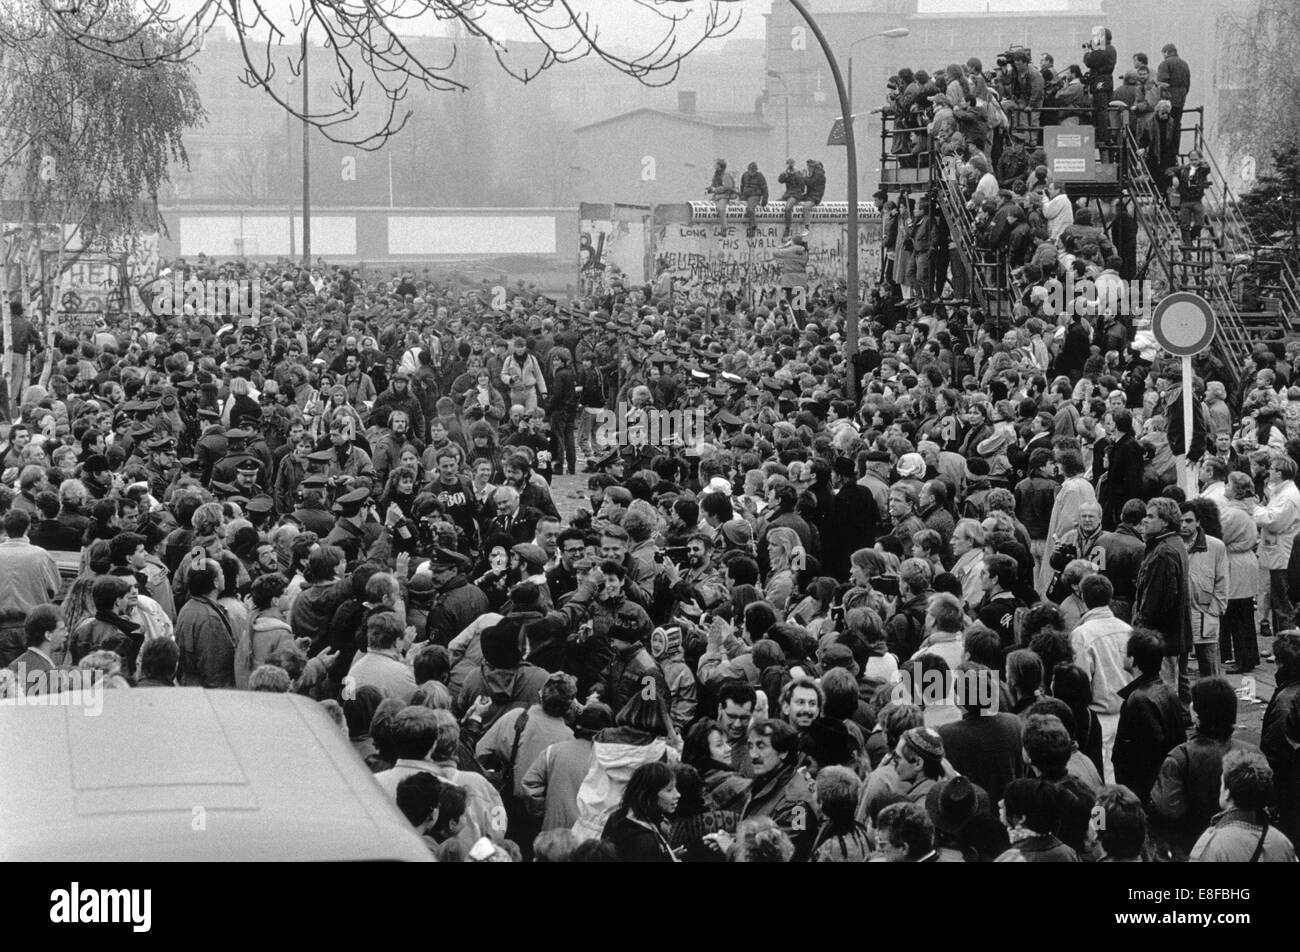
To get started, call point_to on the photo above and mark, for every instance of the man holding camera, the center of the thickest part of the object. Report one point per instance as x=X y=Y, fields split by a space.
x=1028 y=82
x=1100 y=57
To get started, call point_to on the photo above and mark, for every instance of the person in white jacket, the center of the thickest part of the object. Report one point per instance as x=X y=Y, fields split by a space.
x=986 y=189
x=643 y=733
x=523 y=375
x=1057 y=210
x=1207 y=579
x=1279 y=522
x=267 y=630
x=1100 y=643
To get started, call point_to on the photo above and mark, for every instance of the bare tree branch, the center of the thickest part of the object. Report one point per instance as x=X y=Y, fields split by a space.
x=370 y=50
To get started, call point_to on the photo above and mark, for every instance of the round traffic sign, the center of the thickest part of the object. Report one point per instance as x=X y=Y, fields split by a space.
x=1183 y=323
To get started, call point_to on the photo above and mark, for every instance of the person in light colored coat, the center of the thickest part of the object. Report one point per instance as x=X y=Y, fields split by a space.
x=1100 y=644
x=1241 y=537
x=1075 y=492
x=1279 y=522
x=1207 y=580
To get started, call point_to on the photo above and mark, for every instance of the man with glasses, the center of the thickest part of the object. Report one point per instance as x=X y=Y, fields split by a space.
x=562 y=578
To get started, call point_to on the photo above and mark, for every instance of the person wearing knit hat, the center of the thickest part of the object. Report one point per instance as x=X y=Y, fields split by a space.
x=504 y=680
x=918 y=762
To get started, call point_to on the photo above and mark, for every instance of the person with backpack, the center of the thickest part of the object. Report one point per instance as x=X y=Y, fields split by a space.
x=503 y=681
x=642 y=734
x=1243 y=832
x=516 y=739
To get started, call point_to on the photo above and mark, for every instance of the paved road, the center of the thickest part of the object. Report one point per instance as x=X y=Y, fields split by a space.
x=570 y=495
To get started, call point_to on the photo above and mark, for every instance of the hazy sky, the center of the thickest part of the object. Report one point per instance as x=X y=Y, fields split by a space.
x=620 y=22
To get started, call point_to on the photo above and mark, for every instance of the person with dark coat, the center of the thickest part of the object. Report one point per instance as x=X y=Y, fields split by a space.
x=986 y=745
x=109 y=628
x=1279 y=736
x=853 y=520
x=456 y=600
x=636 y=827
x=1075 y=350
x=1150 y=717
x=1185 y=797
x=564 y=410
x=503 y=677
x=48 y=532
x=398 y=396
x=1100 y=62
x=1174 y=77
x=204 y=633
x=1161 y=598
x=1124 y=465
x=753 y=192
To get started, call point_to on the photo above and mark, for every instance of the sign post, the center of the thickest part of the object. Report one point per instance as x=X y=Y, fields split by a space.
x=1184 y=324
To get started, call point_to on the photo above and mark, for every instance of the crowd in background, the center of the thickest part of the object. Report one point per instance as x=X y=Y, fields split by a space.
x=988 y=611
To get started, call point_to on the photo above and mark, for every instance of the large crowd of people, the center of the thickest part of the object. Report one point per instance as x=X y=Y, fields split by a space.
x=955 y=620
x=989 y=611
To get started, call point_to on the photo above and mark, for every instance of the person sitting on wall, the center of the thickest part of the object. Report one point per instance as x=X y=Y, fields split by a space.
x=723 y=190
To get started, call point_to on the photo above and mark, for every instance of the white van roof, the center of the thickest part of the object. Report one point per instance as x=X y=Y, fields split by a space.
x=174 y=774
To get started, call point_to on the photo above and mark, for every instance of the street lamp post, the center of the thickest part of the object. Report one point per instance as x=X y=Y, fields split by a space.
x=306 y=158
x=851 y=155
x=893 y=34
x=786 y=86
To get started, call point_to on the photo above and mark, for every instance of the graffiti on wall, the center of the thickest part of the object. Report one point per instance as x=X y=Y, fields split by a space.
x=611 y=244
x=701 y=261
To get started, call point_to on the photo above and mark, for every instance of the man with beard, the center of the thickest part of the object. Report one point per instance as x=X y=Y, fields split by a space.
x=389 y=447
x=701 y=586
x=338 y=362
x=802 y=702
x=533 y=492
x=347 y=460
x=398 y=396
